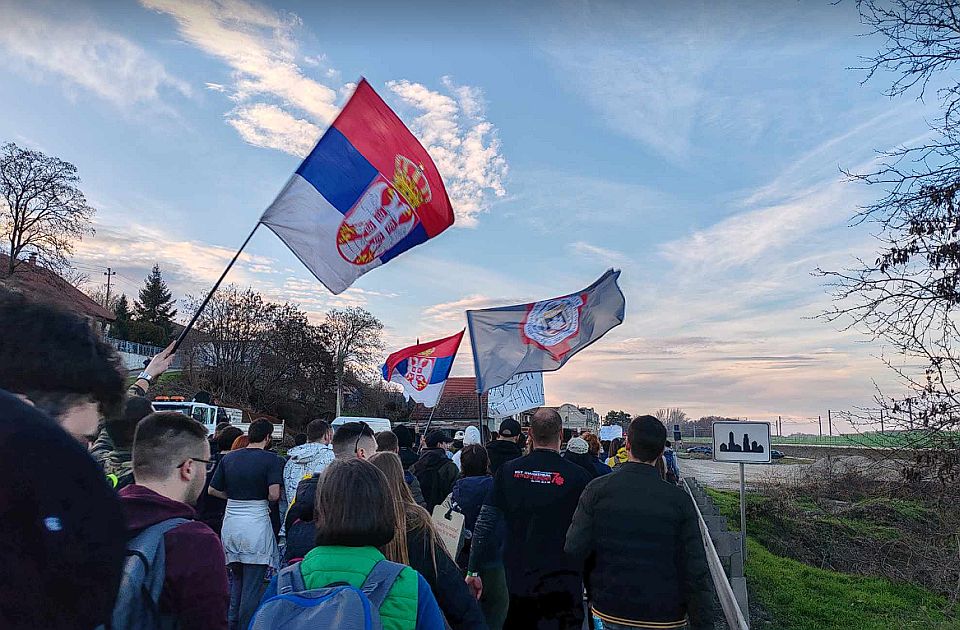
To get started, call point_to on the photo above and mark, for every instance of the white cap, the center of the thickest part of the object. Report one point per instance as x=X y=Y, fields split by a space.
x=458 y=435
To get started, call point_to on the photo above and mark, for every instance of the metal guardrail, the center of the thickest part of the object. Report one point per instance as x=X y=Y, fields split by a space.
x=728 y=601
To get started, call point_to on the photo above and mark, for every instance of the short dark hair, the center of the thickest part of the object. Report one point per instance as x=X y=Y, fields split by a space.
x=387 y=441
x=354 y=506
x=405 y=436
x=55 y=358
x=220 y=427
x=227 y=437
x=668 y=444
x=300 y=439
x=545 y=426
x=474 y=461
x=346 y=435
x=260 y=429
x=121 y=429
x=317 y=429
x=163 y=441
x=437 y=437
x=647 y=437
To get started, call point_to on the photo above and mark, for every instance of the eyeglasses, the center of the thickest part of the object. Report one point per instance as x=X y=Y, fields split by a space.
x=194 y=459
x=364 y=430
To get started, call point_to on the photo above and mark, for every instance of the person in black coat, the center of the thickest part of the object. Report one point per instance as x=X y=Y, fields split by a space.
x=505 y=447
x=638 y=540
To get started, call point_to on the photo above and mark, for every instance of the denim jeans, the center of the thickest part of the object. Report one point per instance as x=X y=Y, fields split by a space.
x=246 y=588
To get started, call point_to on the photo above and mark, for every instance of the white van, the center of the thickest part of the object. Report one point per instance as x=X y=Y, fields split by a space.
x=377 y=424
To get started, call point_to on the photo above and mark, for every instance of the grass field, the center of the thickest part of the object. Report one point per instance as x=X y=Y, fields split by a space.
x=798 y=596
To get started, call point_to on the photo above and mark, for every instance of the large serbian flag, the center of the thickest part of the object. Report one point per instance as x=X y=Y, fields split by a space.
x=542 y=336
x=366 y=193
x=423 y=369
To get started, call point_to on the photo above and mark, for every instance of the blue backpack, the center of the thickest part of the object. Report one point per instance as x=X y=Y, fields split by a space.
x=337 y=605
x=138 y=601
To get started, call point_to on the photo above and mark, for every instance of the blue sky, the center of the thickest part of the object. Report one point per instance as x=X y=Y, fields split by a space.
x=696 y=146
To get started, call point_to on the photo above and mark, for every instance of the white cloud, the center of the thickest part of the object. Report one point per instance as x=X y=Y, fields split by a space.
x=278 y=106
x=269 y=126
x=464 y=145
x=83 y=55
x=260 y=47
x=603 y=254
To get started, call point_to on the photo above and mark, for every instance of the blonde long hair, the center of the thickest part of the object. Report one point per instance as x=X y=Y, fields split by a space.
x=409 y=515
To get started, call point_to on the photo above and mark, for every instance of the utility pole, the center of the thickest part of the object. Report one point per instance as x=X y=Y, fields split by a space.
x=910 y=411
x=820 y=423
x=830 y=421
x=108 y=273
x=881 y=420
x=779 y=426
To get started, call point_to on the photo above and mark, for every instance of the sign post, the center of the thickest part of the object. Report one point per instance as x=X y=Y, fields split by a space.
x=742 y=443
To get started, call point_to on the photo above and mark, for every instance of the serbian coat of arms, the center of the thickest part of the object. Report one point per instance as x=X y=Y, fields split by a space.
x=384 y=215
x=419 y=371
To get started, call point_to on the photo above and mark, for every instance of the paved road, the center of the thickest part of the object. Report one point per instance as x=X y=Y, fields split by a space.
x=727 y=476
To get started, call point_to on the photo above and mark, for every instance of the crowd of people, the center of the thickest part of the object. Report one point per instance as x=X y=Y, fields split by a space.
x=115 y=516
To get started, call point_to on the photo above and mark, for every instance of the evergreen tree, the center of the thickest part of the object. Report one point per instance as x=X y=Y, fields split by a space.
x=155 y=305
x=120 y=328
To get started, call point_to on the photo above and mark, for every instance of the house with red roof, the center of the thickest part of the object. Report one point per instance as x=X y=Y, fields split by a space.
x=43 y=285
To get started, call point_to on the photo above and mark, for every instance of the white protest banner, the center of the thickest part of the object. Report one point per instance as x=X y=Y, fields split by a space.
x=521 y=392
x=611 y=432
x=449 y=526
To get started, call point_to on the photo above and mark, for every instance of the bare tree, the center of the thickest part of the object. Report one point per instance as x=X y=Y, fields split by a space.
x=355 y=342
x=42 y=209
x=75 y=277
x=99 y=295
x=259 y=353
x=908 y=296
x=671 y=416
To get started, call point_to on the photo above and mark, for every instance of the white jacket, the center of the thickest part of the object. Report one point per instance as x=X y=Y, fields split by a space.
x=307 y=459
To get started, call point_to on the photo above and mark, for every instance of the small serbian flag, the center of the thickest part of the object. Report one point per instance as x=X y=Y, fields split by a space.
x=542 y=336
x=366 y=193
x=423 y=369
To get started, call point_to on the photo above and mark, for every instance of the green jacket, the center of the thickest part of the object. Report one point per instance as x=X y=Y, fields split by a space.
x=325 y=565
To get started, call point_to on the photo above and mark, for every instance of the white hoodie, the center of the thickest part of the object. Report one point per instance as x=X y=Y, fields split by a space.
x=307 y=459
x=470 y=436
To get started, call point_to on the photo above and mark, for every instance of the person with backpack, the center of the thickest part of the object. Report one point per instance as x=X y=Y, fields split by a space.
x=175 y=573
x=434 y=470
x=470 y=492
x=345 y=581
x=417 y=544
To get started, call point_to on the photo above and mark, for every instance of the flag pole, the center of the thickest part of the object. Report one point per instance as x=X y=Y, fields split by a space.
x=480 y=414
x=433 y=409
x=203 y=305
